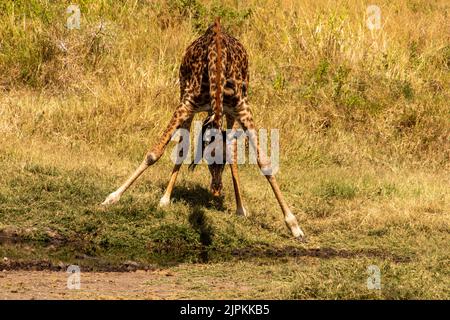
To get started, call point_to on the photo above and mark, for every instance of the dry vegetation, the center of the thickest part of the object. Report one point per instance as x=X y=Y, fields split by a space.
x=364 y=124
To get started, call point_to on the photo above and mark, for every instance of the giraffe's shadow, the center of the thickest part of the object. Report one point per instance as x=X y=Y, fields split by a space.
x=197 y=196
x=201 y=224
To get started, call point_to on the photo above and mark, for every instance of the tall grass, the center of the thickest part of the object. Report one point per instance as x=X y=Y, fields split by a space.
x=351 y=93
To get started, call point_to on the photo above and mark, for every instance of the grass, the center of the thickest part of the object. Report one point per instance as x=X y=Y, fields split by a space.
x=364 y=128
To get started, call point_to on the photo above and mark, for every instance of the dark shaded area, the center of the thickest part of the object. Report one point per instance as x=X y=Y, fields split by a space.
x=323 y=253
x=211 y=254
x=199 y=222
x=197 y=196
x=63 y=253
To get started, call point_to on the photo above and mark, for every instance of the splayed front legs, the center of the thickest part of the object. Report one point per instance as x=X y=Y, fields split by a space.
x=182 y=118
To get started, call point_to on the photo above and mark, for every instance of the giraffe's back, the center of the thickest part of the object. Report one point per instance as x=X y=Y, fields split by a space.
x=195 y=76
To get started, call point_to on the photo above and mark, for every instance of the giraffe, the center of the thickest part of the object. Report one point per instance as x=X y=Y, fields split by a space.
x=213 y=78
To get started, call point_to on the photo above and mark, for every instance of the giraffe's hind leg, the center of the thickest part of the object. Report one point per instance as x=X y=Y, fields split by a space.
x=244 y=116
x=182 y=114
x=240 y=210
x=165 y=200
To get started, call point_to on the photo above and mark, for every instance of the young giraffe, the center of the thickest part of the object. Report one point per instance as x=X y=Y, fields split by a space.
x=213 y=78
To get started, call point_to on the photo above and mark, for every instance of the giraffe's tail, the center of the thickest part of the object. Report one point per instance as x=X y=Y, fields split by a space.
x=216 y=73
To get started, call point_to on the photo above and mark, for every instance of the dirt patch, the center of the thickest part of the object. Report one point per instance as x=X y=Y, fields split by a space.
x=94 y=285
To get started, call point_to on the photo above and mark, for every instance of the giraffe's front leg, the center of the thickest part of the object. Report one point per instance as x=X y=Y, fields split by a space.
x=183 y=113
x=245 y=118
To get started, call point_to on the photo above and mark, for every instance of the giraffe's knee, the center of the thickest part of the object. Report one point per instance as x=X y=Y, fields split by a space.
x=268 y=171
x=151 y=158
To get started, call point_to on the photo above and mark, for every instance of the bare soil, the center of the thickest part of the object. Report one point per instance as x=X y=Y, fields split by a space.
x=94 y=285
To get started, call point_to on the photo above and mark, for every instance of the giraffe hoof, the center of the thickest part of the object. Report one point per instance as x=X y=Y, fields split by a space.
x=241 y=212
x=165 y=201
x=291 y=223
x=112 y=198
x=302 y=239
x=298 y=233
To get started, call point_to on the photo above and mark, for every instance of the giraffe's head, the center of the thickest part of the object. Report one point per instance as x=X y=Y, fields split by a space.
x=212 y=144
